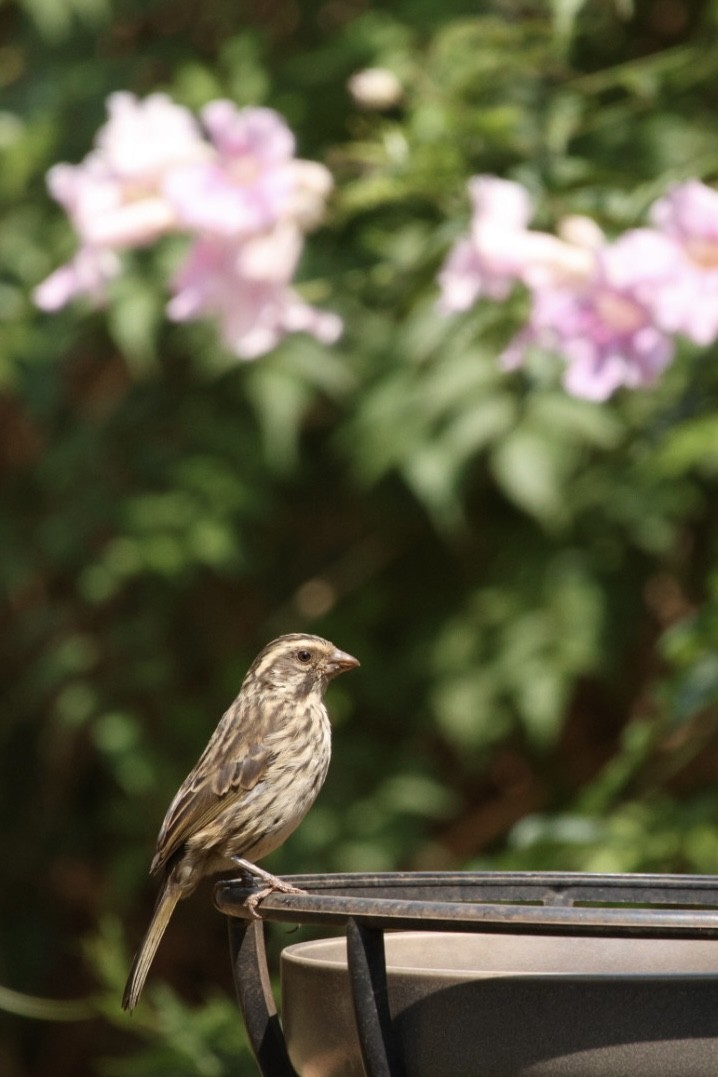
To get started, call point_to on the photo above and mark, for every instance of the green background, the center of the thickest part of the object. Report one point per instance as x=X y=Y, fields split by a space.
x=529 y=580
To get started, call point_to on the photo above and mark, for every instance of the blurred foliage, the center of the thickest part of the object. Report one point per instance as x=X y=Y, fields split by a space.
x=530 y=581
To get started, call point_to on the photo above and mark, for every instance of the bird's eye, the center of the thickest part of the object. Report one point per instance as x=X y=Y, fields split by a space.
x=304 y=656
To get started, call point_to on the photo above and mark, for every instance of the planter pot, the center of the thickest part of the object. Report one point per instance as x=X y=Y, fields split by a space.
x=494 y=1005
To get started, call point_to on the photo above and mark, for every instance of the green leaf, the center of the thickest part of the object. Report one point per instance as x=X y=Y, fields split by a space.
x=530 y=470
x=691 y=444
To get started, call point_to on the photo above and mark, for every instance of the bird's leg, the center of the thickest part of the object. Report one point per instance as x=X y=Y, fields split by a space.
x=272 y=883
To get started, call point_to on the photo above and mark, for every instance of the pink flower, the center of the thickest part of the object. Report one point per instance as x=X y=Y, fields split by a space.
x=103 y=212
x=252 y=182
x=604 y=328
x=481 y=264
x=610 y=310
x=143 y=140
x=242 y=195
x=87 y=274
x=114 y=198
x=246 y=289
x=500 y=250
x=245 y=186
x=688 y=215
x=248 y=206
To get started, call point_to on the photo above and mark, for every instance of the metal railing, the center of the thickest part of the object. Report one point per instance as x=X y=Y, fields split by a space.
x=364 y=906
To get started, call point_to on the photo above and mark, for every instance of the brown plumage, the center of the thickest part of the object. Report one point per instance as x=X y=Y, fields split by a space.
x=253 y=784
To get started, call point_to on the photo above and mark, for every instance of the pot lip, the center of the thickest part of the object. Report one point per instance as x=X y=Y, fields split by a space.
x=310 y=954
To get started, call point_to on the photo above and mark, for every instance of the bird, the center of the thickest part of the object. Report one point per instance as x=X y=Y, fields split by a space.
x=255 y=781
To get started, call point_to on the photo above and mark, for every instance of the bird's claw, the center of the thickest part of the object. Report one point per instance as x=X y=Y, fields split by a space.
x=279 y=886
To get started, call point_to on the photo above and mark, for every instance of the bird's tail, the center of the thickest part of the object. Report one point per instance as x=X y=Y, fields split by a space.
x=168 y=898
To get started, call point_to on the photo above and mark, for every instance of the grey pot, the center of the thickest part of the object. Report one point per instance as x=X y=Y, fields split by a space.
x=494 y=1005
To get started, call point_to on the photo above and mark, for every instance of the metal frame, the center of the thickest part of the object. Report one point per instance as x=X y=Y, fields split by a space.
x=365 y=905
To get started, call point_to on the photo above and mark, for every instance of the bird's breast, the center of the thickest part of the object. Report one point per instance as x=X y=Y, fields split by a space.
x=262 y=819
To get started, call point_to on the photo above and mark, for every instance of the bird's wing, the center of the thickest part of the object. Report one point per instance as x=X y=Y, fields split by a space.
x=207 y=792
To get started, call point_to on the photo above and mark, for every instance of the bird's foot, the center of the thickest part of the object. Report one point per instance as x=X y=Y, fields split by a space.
x=273 y=885
x=256 y=898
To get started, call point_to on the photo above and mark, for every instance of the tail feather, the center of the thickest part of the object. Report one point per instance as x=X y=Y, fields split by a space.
x=168 y=898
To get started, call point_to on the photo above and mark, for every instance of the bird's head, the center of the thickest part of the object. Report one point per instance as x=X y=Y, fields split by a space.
x=300 y=663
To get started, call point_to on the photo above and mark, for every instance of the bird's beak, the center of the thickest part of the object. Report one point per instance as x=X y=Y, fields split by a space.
x=339 y=661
